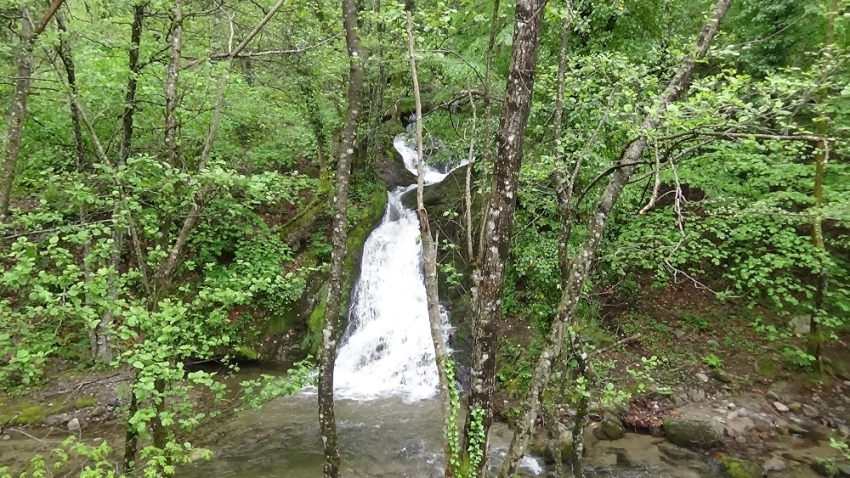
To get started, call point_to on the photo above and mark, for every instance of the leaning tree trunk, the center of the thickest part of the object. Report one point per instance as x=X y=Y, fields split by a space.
x=429 y=256
x=499 y=225
x=327 y=355
x=581 y=263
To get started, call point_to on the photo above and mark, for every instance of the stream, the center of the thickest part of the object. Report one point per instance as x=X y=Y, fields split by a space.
x=385 y=381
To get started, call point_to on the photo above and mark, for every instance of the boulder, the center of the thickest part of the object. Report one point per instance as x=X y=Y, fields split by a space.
x=74 y=425
x=693 y=433
x=736 y=468
x=611 y=428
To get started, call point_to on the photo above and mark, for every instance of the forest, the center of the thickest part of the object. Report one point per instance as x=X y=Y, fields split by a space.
x=619 y=215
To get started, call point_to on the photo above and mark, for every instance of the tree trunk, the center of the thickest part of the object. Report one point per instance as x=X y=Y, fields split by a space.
x=816 y=336
x=327 y=355
x=429 y=256
x=17 y=113
x=580 y=265
x=499 y=219
x=171 y=84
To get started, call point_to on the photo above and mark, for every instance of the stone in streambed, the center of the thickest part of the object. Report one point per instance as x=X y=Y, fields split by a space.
x=736 y=468
x=611 y=428
x=693 y=433
x=780 y=407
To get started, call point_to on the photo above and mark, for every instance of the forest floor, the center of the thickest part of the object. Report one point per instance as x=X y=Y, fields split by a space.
x=713 y=361
x=685 y=355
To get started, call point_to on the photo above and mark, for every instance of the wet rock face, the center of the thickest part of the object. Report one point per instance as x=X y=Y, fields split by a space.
x=693 y=433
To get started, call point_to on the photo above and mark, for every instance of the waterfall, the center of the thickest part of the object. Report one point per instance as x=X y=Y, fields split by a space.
x=387 y=348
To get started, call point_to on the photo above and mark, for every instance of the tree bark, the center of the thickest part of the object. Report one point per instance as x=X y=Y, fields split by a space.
x=171 y=84
x=429 y=256
x=500 y=215
x=816 y=337
x=17 y=113
x=581 y=263
x=327 y=354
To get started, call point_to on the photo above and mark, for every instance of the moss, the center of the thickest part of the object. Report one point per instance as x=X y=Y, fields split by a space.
x=85 y=402
x=28 y=415
x=315 y=323
x=825 y=467
x=246 y=353
x=735 y=468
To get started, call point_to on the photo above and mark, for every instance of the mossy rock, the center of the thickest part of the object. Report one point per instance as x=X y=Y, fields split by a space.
x=766 y=366
x=693 y=433
x=611 y=428
x=737 y=468
x=825 y=467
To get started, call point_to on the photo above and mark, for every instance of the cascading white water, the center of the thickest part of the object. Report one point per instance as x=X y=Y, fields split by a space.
x=388 y=348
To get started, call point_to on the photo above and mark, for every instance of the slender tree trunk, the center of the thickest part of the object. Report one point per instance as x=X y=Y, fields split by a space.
x=171 y=84
x=500 y=217
x=429 y=256
x=470 y=246
x=327 y=355
x=488 y=115
x=816 y=336
x=580 y=265
x=17 y=113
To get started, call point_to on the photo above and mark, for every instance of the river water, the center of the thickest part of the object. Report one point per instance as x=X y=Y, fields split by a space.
x=385 y=380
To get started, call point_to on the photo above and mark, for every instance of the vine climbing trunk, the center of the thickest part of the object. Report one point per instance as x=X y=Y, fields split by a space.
x=816 y=336
x=499 y=225
x=429 y=256
x=327 y=354
x=580 y=265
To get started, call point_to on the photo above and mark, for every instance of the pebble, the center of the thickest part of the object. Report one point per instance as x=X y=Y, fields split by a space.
x=810 y=411
x=730 y=406
x=847 y=383
x=743 y=412
x=773 y=395
x=732 y=415
x=740 y=439
x=680 y=334
x=74 y=425
x=715 y=343
x=6 y=437
x=780 y=407
x=702 y=377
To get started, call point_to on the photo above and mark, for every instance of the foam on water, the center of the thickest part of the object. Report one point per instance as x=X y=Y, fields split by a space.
x=387 y=348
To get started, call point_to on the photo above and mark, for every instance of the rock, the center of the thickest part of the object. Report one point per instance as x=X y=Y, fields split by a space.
x=74 y=425
x=611 y=428
x=739 y=426
x=696 y=394
x=702 y=377
x=773 y=396
x=844 y=470
x=732 y=415
x=713 y=343
x=810 y=411
x=57 y=420
x=566 y=446
x=824 y=467
x=199 y=454
x=680 y=334
x=780 y=407
x=801 y=324
x=114 y=403
x=775 y=464
x=766 y=367
x=693 y=433
x=844 y=430
x=722 y=376
x=736 y=468
x=743 y=412
x=795 y=407
x=796 y=429
x=680 y=399
x=6 y=437
x=677 y=453
x=98 y=411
